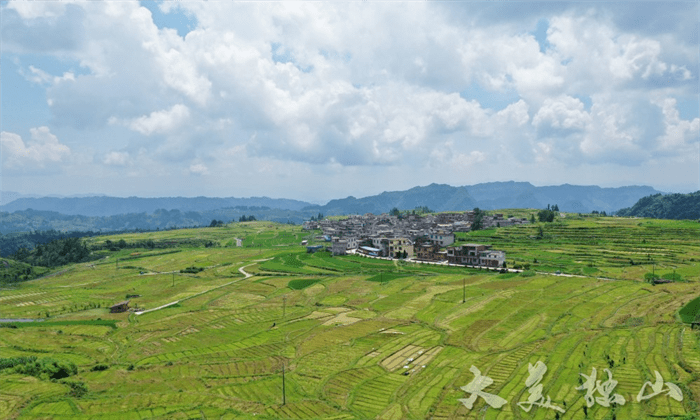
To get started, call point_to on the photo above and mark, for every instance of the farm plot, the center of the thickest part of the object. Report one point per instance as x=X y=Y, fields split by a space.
x=344 y=342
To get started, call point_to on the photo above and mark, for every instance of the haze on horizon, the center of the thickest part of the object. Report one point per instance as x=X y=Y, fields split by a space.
x=315 y=101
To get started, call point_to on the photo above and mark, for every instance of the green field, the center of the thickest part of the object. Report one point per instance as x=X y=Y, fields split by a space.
x=359 y=338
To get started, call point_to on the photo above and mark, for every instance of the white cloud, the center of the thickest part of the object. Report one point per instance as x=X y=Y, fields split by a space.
x=680 y=136
x=39 y=76
x=598 y=56
x=358 y=84
x=44 y=9
x=198 y=169
x=42 y=150
x=159 y=122
x=116 y=158
x=563 y=112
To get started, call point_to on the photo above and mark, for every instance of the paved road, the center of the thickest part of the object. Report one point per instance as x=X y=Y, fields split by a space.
x=445 y=263
x=241 y=270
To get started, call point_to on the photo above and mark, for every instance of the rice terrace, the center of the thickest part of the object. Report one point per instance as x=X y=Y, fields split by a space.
x=266 y=330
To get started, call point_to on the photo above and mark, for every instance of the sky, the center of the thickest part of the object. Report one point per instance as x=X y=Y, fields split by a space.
x=322 y=100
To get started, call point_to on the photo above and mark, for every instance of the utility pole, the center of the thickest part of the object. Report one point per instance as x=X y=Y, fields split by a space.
x=464 y=289
x=284 y=392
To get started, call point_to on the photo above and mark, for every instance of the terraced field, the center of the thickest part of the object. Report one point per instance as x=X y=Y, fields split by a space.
x=360 y=338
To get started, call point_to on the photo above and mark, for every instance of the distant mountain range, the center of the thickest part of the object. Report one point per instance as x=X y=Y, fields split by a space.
x=102 y=213
x=112 y=206
x=492 y=196
x=671 y=206
x=438 y=197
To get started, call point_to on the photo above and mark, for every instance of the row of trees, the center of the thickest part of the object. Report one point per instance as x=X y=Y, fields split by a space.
x=55 y=253
x=11 y=243
x=419 y=210
x=318 y=217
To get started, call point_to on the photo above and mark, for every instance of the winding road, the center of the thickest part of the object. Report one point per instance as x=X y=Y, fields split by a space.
x=241 y=270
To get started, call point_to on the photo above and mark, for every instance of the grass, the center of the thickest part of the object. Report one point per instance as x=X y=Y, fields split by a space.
x=98 y=322
x=345 y=327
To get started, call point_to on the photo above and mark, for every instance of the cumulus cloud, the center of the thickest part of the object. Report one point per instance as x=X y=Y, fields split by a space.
x=41 y=151
x=39 y=76
x=679 y=135
x=160 y=121
x=562 y=112
x=362 y=84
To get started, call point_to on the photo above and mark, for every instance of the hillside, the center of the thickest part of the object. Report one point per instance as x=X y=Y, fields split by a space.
x=43 y=220
x=435 y=196
x=671 y=206
x=357 y=338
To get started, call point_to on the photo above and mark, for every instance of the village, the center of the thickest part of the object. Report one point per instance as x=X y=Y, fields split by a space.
x=422 y=238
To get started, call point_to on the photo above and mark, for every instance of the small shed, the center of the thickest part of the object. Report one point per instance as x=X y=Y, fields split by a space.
x=119 y=307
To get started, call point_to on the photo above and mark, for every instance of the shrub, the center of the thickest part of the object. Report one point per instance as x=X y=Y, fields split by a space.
x=192 y=270
x=77 y=388
x=46 y=368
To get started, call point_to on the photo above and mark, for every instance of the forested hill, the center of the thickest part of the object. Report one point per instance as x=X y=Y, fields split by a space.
x=671 y=206
x=35 y=220
x=111 y=206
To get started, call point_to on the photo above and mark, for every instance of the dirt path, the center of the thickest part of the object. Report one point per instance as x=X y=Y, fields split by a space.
x=241 y=270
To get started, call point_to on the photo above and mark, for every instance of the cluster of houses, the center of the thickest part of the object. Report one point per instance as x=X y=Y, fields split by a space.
x=425 y=238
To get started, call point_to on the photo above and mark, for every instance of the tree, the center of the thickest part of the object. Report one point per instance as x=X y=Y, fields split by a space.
x=555 y=207
x=545 y=215
x=532 y=218
x=395 y=211
x=478 y=216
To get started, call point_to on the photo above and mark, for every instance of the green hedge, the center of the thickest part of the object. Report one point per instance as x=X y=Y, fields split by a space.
x=689 y=313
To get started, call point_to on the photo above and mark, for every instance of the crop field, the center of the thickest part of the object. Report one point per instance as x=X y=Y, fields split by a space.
x=266 y=330
x=622 y=248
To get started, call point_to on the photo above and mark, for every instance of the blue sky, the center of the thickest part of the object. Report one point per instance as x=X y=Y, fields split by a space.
x=316 y=101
